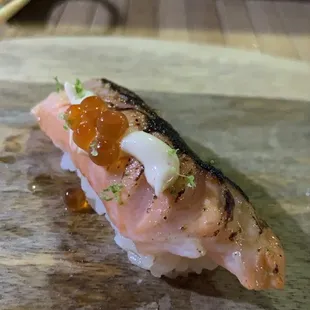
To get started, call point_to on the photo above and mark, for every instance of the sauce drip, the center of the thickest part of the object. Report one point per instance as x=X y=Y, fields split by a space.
x=97 y=129
x=75 y=200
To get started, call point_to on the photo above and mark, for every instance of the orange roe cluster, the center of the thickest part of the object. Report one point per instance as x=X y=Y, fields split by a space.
x=97 y=129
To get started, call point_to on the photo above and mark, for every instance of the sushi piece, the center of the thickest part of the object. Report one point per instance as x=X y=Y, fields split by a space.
x=172 y=213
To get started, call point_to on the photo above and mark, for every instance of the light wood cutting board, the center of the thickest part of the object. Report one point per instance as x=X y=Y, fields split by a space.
x=247 y=112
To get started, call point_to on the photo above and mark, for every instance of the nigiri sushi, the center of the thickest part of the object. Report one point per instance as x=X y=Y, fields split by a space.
x=171 y=212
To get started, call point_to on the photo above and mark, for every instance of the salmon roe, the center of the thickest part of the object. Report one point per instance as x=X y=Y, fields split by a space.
x=91 y=108
x=97 y=129
x=104 y=152
x=73 y=116
x=112 y=124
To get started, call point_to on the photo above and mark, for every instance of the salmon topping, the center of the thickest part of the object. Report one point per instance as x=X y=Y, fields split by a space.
x=204 y=215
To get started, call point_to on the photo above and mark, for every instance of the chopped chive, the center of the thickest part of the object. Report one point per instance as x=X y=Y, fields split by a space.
x=106 y=198
x=172 y=151
x=94 y=152
x=114 y=190
x=79 y=89
x=62 y=116
x=93 y=146
x=191 y=181
x=59 y=86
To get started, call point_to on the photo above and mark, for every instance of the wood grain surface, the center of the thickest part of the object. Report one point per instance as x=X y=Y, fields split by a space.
x=275 y=27
x=247 y=112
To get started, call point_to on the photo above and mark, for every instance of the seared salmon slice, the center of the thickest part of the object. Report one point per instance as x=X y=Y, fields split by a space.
x=212 y=221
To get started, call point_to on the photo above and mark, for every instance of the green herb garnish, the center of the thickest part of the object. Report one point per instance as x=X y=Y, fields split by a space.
x=158 y=112
x=93 y=150
x=172 y=151
x=191 y=181
x=63 y=117
x=112 y=192
x=59 y=86
x=79 y=89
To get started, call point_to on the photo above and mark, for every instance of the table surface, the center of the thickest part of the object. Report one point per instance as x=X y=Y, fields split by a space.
x=279 y=28
x=258 y=135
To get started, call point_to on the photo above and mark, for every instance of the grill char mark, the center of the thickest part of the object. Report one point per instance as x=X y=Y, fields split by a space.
x=179 y=195
x=261 y=224
x=126 y=167
x=229 y=204
x=233 y=236
x=156 y=124
x=140 y=174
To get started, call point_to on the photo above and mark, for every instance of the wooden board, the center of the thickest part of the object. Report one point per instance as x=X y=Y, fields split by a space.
x=245 y=111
